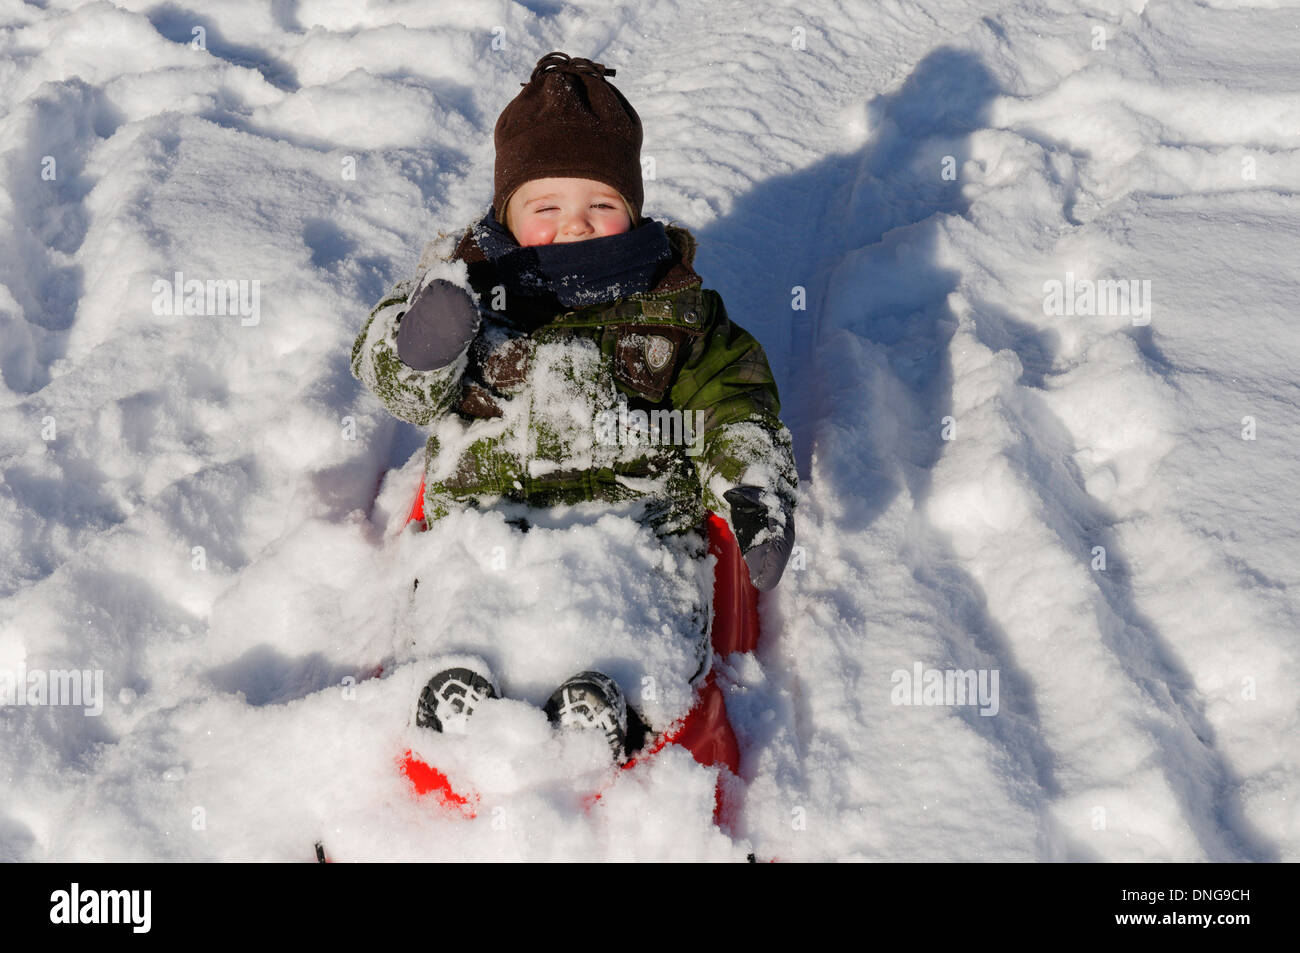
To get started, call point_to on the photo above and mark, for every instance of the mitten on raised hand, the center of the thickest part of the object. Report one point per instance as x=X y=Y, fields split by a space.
x=437 y=327
x=765 y=537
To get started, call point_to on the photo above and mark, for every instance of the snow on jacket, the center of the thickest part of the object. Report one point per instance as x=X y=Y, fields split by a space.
x=542 y=406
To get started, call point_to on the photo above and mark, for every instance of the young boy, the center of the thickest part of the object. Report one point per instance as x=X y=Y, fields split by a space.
x=589 y=364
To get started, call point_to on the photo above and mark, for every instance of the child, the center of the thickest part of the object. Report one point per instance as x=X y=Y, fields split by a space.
x=589 y=363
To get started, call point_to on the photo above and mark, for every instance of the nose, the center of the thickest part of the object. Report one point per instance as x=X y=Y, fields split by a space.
x=576 y=225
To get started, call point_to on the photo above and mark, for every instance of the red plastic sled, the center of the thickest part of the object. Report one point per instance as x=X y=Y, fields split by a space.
x=706 y=731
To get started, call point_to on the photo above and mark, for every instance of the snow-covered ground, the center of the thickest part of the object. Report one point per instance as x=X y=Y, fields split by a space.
x=1098 y=508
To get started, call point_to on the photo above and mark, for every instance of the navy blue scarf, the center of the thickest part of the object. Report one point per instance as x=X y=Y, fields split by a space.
x=577 y=273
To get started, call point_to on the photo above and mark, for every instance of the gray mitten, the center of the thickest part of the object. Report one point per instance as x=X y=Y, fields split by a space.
x=749 y=517
x=439 y=324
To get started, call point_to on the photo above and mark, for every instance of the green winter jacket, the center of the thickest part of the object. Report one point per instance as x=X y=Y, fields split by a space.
x=657 y=400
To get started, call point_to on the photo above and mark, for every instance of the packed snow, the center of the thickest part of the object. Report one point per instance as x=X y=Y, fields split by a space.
x=1026 y=273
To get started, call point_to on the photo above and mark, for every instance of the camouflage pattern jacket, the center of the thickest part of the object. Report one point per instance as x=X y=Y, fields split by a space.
x=656 y=400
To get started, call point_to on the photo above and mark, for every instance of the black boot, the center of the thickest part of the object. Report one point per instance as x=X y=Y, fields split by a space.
x=450 y=697
x=592 y=700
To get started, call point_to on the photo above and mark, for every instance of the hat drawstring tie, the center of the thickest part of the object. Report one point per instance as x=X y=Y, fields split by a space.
x=563 y=63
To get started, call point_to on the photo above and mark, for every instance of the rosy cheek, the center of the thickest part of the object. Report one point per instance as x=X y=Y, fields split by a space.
x=527 y=234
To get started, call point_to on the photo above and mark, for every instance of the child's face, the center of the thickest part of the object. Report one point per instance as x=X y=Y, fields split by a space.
x=542 y=211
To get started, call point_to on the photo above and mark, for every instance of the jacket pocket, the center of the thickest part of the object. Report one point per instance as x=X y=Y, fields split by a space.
x=647 y=357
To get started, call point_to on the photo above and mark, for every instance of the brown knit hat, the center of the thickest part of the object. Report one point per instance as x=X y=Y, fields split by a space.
x=568 y=122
